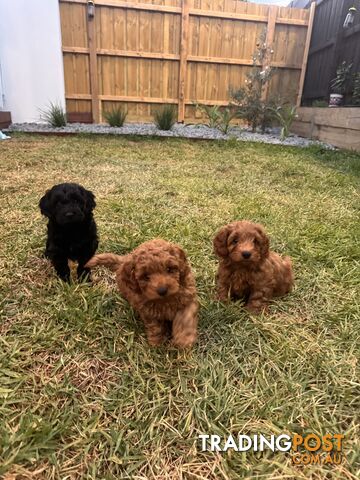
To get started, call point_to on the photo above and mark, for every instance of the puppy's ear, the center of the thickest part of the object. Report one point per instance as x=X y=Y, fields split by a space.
x=128 y=275
x=220 y=241
x=179 y=253
x=264 y=240
x=45 y=205
x=90 y=200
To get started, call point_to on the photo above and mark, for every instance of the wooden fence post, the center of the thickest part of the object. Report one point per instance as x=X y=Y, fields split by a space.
x=270 y=35
x=94 y=87
x=183 y=58
x=306 y=53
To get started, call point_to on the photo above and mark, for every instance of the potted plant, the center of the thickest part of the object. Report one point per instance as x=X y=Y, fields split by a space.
x=338 y=84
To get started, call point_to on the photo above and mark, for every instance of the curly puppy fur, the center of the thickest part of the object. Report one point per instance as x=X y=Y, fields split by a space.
x=247 y=268
x=71 y=229
x=157 y=281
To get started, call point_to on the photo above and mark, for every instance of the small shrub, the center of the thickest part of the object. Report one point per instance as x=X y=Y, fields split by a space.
x=285 y=114
x=320 y=103
x=212 y=113
x=356 y=89
x=338 y=84
x=165 y=117
x=225 y=117
x=54 y=114
x=218 y=117
x=249 y=100
x=115 y=117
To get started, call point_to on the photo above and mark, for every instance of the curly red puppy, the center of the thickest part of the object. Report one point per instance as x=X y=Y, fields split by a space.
x=247 y=268
x=157 y=281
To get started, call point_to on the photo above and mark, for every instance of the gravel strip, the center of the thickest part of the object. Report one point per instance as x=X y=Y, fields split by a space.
x=179 y=130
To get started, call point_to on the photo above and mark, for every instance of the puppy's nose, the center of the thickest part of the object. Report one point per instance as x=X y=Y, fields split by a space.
x=69 y=214
x=246 y=254
x=162 y=291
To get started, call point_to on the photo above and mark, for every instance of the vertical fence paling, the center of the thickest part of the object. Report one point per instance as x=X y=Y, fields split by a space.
x=306 y=53
x=93 y=67
x=170 y=74
x=270 y=35
x=183 y=58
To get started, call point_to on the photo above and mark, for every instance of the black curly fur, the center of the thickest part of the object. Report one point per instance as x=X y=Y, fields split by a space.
x=71 y=228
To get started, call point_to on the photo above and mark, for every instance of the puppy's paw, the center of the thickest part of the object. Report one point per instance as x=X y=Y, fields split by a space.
x=156 y=341
x=182 y=345
x=184 y=341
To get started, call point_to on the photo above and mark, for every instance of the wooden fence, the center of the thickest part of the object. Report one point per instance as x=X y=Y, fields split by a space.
x=153 y=52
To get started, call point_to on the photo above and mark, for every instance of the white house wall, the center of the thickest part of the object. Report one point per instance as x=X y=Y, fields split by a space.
x=30 y=57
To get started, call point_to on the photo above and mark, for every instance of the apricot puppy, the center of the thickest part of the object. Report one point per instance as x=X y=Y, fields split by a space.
x=247 y=267
x=157 y=281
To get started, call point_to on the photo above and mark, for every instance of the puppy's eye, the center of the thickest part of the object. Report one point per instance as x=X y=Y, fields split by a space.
x=171 y=269
x=256 y=241
x=145 y=277
x=235 y=241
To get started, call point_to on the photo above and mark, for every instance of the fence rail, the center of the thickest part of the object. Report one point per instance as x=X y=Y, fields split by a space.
x=175 y=51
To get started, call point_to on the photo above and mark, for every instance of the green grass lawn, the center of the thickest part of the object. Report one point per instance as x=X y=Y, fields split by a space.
x=82 y=395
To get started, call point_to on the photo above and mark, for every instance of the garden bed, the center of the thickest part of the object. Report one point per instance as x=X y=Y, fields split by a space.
x=179 y=130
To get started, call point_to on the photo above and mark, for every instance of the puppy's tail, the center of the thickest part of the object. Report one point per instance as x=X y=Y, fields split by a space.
x=109 y=260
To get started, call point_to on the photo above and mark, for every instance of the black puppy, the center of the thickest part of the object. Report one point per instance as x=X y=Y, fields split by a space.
x=71 y=227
